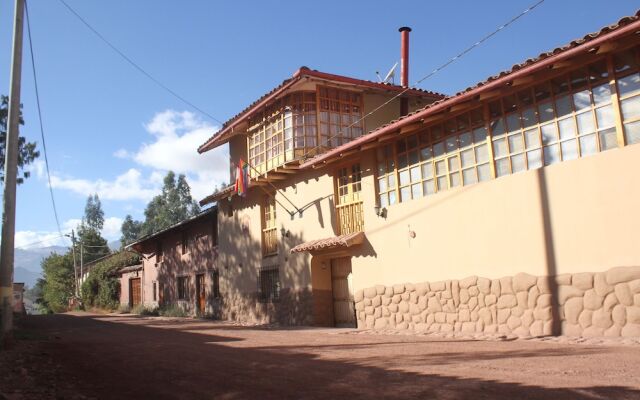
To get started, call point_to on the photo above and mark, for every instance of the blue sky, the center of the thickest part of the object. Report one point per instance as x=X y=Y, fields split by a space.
x=111 y=130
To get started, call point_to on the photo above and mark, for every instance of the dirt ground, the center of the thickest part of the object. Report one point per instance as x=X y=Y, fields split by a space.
x=81 y=355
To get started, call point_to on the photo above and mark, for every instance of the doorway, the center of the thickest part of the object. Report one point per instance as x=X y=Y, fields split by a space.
x=344 y=313
x=135 y=292
x=200 y=294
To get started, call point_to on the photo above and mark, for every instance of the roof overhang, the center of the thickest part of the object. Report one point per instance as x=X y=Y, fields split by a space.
x=238 y=124
x=414 y=121
x=334 y=243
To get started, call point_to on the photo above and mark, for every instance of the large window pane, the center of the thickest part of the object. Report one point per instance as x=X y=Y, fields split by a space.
x=602 y=94
x=529 y=117
x=632 y=132
x=516 y=143
x=563 y=106
x=416 y=191
x=502 y=167
x=427 y=170
x=479 y=135
x=469 y=176
x=455 y=179
x=467 y=158
x=517 y=163
x=454 y=164
x=551 y=154
x=532 y=138
x=545 y=111
x=588 y=145
x=630 y=107
x=499 y=148
x=382 y=184
x=549 y=133
x=405 y=194
x=441 y=167
x=465 y=139
x=484 y=172
x=404 y=177
x=415 y=174
x=567 y=128
x=582 y=100
x=428 y=187
x=569 y=150
x=442 y=183
x=482 y=154
x=629 y=84
x=585 y=123
x=604 y=116
x=534 y=158
x=608 y=139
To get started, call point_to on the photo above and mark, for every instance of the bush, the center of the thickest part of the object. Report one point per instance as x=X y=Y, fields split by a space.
x=124 y=309
x=143 y=310
x=172 y=311
x=102 y=287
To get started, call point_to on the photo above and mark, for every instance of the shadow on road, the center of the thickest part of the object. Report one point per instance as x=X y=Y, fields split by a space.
x=146 y=359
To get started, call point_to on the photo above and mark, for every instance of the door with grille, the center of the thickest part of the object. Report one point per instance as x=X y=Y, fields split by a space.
x=343 y=306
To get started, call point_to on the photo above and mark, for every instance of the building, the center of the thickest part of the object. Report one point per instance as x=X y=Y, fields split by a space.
x=179 y=267
x=508 y=207
x=18 y=298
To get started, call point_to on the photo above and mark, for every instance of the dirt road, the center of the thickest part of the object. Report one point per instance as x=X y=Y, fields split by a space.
x=128 y=357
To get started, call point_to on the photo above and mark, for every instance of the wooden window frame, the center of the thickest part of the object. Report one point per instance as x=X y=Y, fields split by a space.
x=182 y=287
x=215 y=284
x=268 y=281
x=348 y=198
x=269 y=227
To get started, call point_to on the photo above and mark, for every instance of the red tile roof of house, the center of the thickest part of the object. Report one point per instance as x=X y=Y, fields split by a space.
x=227 y=130
x=626 y=25
x=343 y=241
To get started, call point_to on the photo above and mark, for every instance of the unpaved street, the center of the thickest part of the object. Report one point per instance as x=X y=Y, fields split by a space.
x=128 y=357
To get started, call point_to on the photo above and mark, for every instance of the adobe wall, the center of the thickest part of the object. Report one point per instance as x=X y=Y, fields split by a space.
x=588 y=304
x=293 y=308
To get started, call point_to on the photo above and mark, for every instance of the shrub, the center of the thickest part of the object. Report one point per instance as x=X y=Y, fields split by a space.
x=143 y=310
x=172 y=311
x=124 y=309
x=102 y=287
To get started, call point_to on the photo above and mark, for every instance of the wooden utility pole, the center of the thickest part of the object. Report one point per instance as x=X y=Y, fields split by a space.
x=10 y=172
x=75 y=268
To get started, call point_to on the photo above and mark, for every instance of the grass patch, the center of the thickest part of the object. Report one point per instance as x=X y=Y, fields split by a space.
x=143 y=310
x=172 y=311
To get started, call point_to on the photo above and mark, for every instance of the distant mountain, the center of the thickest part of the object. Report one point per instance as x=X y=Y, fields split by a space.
x=27 y=266
x=114 y=245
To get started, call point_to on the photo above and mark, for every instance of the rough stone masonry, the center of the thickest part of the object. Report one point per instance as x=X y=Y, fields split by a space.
x=589 y=304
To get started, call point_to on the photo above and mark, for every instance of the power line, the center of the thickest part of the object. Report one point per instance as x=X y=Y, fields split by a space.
x=136 y=66
x=435 y=71
x=44 y=145
x=26 y=246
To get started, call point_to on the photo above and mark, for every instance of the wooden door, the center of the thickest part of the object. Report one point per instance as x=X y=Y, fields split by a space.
x=135 y=292
x=200 y=290
x=344 y=313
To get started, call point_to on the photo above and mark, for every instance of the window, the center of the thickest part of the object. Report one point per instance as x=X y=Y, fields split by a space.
x=348 y=201
x=268 y=285
x=159 y=252
x=214 y=232
x=269 y=229
x=564 y=118
x=340 y=116
x=215 y=284
x=628 y=84
x=185 y=242
x=154 y=284
x=183 y=292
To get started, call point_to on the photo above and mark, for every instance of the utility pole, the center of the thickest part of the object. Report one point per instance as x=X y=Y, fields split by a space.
x=75 y=268
x=10 y=172
x=81 y=266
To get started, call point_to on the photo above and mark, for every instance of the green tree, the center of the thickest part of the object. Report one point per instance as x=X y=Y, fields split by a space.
x=131 y=230
x=172 y=205
x=102 y=287
x=57 y=283
x=94 y=246
x=27 y=152
x=93 y=214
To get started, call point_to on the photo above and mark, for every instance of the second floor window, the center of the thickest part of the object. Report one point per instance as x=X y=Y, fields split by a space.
x=269 y=230
x=348 y=200
x=159 y=252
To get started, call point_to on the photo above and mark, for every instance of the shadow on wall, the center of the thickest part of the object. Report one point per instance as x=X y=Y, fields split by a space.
x=294 y=369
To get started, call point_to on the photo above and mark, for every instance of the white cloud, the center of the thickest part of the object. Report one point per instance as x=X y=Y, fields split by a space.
x=38 y=239
x=129 y=185
x=176 y=137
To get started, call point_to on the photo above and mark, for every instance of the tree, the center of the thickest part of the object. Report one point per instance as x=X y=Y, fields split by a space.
x=94 y=245
x=102 y=287
x=26 y=150
x=93 y=214
x=131 y=230
x=57 y=283
x=172 y=205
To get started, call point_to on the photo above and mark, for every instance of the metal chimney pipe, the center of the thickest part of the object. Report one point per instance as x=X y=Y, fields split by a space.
x=404 y=67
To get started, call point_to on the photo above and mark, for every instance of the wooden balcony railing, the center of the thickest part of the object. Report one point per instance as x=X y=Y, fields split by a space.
x=350 y=217
x=269 y=241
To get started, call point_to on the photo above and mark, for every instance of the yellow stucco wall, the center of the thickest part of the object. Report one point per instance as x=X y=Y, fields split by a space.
x=575 y=216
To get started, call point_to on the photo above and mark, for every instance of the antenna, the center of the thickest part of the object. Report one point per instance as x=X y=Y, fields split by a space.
x=379 y=77
x=390 y=74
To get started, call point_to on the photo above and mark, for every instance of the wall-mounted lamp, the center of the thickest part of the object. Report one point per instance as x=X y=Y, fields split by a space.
x=380 y=211
x=285 y=232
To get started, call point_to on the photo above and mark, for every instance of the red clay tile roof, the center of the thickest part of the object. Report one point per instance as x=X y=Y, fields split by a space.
x=221 y=194
x=223 y=134
x=626 y=25
x=344 y=241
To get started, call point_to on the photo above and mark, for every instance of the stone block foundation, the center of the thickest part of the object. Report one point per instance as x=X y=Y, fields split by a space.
x=586 y=304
